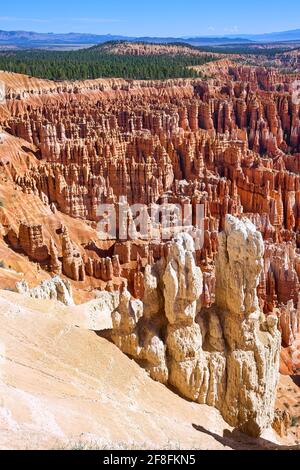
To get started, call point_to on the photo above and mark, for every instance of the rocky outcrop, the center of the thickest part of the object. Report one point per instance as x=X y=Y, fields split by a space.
x=182 y=287
x=282 y=422
x=72 y=263
x=52 y=289
x=253 y=343
x=55 y=263
x=30 y=241
x=226 y=356
x=137 y=328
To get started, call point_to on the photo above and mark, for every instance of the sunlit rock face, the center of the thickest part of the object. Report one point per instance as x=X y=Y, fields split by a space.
x=227 y=355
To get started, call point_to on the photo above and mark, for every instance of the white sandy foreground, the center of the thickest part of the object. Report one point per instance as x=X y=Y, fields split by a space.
x=62 y=386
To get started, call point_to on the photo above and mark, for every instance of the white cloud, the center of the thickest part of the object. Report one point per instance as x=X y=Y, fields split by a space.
x=16 y=18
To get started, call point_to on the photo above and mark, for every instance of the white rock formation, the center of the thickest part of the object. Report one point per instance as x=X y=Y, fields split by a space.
x=137 y=327
x=239 y=263
x=182 y=287
x=55 y=289
x=226 y=356
x=182 y=280
x=252 y=343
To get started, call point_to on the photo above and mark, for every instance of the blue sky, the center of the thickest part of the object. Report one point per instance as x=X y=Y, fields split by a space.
x=152 y=17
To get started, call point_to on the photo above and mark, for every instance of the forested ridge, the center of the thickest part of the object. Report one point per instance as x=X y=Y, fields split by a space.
x=93 y=63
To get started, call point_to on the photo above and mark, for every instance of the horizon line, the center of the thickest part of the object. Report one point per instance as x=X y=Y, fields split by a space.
x=185 y=36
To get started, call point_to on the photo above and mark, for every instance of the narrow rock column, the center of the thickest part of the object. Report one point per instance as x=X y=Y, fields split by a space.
x=253 y=343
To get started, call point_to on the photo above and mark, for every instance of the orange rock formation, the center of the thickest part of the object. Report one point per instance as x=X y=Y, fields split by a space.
x=230 y=142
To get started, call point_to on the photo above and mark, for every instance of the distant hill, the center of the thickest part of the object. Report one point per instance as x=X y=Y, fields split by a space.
x=144 y=48
x=293 y=35
x=31 y=39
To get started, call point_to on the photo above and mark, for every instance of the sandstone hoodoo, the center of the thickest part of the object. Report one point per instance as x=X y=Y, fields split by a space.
x=227 y=355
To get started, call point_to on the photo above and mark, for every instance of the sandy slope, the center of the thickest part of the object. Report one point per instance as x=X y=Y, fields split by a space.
x=61 y=385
